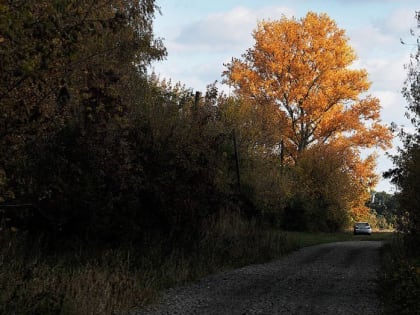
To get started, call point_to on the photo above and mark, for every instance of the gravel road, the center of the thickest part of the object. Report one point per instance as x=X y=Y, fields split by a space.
x=334 y=278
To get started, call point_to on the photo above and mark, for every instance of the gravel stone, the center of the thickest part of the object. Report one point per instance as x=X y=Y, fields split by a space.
x=335 y=278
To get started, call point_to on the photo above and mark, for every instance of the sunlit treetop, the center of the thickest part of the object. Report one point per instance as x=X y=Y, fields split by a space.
x=303 y=67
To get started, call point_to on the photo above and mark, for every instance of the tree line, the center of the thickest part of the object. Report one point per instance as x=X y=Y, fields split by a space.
x=96 y=150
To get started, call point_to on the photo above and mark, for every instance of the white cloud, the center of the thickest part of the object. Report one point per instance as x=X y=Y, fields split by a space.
x=398 y=22
x=393 y=105
x=227 y=30
x=370 y=39
x=381 y=37
x=389 y=100
x=386 y=74
x=381 y=54
x=193 y=71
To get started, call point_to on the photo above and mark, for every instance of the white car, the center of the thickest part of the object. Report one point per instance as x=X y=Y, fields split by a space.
x=362 y=228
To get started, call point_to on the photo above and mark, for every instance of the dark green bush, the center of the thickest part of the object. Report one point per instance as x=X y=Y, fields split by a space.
x=399 y=281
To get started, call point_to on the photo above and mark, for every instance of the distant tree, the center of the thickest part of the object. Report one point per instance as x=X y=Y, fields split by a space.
x=382 y=201
x=384 y=206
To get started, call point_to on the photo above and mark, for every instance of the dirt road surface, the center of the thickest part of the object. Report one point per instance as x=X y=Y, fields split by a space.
x=334 y=278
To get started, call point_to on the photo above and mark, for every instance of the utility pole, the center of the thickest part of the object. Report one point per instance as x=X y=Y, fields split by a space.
x=238 y=176
x=196 y=100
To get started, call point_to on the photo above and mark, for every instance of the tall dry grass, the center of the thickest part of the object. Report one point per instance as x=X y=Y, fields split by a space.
x=114 y=281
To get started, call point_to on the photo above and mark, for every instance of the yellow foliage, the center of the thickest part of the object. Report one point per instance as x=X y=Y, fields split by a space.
x=302 y=68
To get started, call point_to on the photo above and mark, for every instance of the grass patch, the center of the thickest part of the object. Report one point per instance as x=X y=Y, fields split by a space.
x=304 y=239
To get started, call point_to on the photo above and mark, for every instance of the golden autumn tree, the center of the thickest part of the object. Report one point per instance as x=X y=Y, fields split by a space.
x=302 y=69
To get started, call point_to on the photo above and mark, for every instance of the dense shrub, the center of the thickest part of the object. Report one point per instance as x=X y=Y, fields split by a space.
x=399 y=281
x=322 y=192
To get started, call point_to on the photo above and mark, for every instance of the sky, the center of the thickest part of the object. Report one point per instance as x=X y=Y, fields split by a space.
x=202 y=35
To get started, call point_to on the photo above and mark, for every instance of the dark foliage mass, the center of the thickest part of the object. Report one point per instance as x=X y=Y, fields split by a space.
x=93 y=149
x=67 y=132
